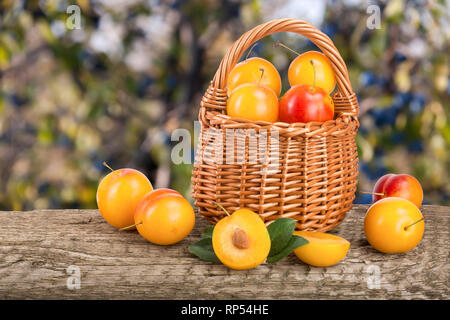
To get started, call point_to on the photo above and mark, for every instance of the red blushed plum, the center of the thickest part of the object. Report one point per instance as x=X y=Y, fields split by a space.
x=304 y=103
x=378 y=189
x=398 y=185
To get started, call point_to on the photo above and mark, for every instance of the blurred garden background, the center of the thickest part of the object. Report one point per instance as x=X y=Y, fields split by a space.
x=114 y=89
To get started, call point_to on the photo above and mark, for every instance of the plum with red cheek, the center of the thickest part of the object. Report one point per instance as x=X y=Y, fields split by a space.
x=398 y=185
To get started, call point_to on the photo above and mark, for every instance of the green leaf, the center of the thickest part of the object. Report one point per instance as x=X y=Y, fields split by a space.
x=294 y=243
x=280 y=232
x=204 y=250
x=207 y=232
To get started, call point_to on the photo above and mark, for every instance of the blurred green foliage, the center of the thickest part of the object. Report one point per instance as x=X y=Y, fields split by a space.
x=115 y=89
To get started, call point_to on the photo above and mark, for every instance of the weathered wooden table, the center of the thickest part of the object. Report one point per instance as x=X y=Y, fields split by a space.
x=75 y=254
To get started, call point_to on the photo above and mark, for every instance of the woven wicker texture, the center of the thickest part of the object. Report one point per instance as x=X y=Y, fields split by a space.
x=305 y=171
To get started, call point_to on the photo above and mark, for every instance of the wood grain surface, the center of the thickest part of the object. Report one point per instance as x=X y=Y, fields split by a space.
x=37 y=247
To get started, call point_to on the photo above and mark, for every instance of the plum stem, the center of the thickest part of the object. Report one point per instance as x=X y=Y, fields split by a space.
x=250 y=51
x=406 y=228
x=375 y=193
x=280 y=44
x=262 y=75
x=221 y=207
x=106 y=165
x=314 y=74
x=129 y=227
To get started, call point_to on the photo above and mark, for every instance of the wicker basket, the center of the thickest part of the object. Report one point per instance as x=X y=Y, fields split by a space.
x=314 y=180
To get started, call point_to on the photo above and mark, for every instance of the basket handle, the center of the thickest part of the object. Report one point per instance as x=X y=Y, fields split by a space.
x=321 y=40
